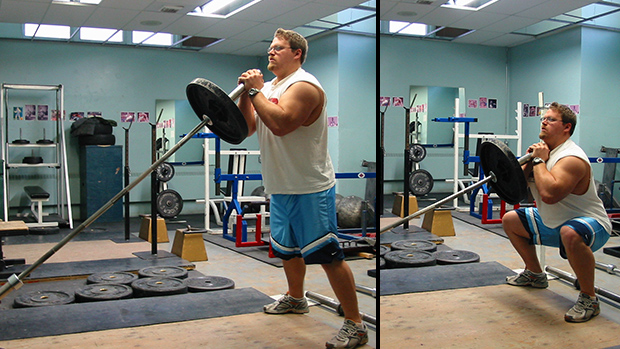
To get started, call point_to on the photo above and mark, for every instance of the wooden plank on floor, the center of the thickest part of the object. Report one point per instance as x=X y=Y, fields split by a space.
x=489 y=317
x=256 y=330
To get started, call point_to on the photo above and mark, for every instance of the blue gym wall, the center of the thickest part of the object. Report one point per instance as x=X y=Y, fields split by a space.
x=112 y=79
x=406 y=62
x=577 y=66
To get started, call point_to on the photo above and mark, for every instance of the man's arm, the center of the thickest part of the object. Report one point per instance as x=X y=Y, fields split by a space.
x=295 y=108
x=562 y=180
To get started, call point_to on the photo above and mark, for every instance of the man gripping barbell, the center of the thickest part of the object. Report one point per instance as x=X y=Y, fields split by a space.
x=569 y=213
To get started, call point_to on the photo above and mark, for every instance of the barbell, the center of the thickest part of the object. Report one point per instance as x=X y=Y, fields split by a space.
x=214 y=108
x=504 y=175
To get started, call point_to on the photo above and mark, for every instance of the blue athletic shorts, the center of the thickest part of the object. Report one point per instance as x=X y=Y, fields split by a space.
x=304 y=225
x=592 y=232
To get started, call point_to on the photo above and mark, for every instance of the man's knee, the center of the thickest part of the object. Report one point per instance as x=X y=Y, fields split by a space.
x=570 y=238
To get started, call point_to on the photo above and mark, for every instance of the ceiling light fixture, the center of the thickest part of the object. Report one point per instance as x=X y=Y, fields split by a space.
x=77 y=2
x=222 y=8
x=470 y=5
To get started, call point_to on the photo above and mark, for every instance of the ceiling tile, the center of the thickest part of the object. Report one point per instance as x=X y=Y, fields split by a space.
x=12 y=11
x=126 y=5
x=414 y=12
x=477 y=20
x=104 y=17
x=227 y=28
x=68 y=14
x=510 y=24
x=304 y=14
x=445 y=16
x=260 y=32
x=268 y=9
x=144 y=17
x=191 y=25
x=508 y=40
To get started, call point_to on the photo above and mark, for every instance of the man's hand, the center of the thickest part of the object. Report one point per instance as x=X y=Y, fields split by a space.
x=539 y=150
x=252 y=78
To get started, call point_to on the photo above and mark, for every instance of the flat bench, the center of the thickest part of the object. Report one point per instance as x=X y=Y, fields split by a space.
x=37 y=196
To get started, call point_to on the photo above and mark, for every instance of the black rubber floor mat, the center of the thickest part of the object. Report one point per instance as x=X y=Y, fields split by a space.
x=442 y=277
x=97 y=316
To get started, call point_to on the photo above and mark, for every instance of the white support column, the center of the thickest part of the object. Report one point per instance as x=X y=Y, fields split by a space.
x=456 y=151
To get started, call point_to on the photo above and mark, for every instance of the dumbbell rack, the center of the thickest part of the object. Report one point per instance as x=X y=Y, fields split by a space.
x=63 y=196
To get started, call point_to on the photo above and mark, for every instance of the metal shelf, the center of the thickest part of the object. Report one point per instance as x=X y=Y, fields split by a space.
x=59 y=164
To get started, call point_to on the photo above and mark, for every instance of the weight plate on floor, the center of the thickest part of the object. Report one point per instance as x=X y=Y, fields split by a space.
x=169 y=203
x=43 y=298
x=414 y=245
x=165 y=172
x=158 y=286
x=383 y=250
x=420 y=182
x=456 y=257
x=165 y=271
x=208 y=283
x=409 y=259
x=417 y=152
x=116 y=277
x=103 y=292
x=381 y=263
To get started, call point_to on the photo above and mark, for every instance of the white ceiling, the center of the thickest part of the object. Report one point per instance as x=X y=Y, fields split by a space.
x=246 y=33
x=494 y=25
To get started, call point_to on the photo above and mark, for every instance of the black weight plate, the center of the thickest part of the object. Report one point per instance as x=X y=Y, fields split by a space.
x=45 y=141
x=208 y=283
x=383 y=250
x=409 y=259
x=169 y=203
x=417 y=152
x=456 y=257
x=414 y=245
x=420 y=182
x=207 y=99
x=115 y=277
x=163 y=271
x=103 y=292
x=381 y=263
x=165 y=172
x=158 y=286
x=32 y=160
x=21 y=141
x=510 y=183
x=43 y=298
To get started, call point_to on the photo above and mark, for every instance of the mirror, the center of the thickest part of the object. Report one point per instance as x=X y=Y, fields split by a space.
x=434 y=102
x=177 y=118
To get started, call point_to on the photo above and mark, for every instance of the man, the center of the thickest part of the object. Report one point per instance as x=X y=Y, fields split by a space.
x=289 y=116
x=569 y=214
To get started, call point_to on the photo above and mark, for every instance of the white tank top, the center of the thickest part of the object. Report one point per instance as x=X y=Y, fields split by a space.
x=299 y=162
x=586 y=205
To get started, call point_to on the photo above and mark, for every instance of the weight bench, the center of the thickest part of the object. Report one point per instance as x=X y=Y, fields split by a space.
x=11 y=228
x=37 y=196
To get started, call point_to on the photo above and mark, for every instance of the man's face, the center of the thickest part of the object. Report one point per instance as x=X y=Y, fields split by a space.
x=280 y=54
x=551 y=124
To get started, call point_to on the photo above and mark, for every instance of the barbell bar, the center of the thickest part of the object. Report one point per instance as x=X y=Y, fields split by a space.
x=217 y=111
x=332 y=303
x=573 y=280
x=501 y=166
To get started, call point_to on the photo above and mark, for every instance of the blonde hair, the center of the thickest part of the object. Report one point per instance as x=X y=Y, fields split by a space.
x=296 y=40
x=568 y=116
